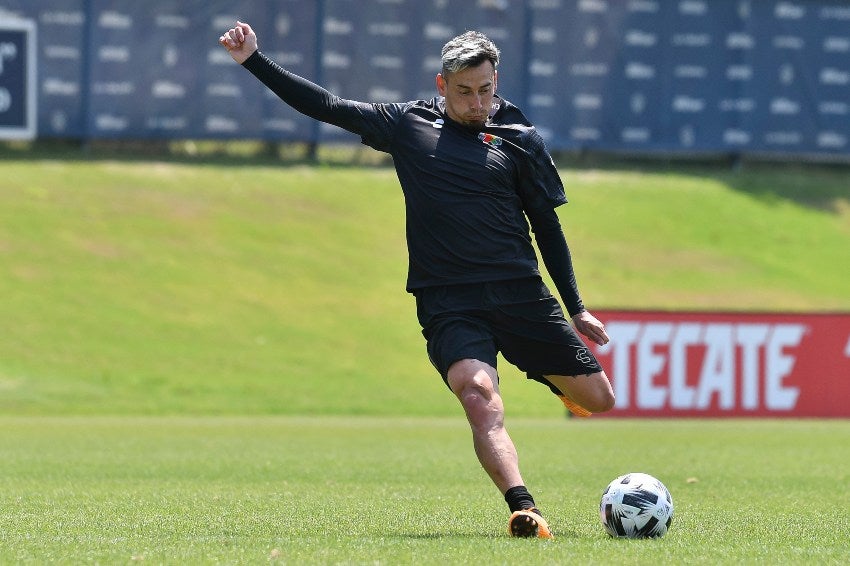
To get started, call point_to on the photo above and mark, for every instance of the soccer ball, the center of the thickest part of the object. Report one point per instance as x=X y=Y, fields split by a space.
x=636 y=505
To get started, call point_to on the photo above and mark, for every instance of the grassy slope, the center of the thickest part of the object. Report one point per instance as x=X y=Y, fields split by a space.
x=755 y=240
x=164 y=288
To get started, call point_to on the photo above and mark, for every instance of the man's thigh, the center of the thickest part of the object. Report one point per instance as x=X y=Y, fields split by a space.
x=456 y=338
x=534 y=335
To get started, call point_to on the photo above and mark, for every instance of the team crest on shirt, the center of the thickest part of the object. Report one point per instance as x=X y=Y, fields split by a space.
x=490 y=139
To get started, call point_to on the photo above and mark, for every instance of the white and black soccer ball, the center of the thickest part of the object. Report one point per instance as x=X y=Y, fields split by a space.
x=636 y=505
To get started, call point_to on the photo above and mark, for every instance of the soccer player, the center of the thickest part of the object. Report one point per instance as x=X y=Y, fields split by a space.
x=476 y=176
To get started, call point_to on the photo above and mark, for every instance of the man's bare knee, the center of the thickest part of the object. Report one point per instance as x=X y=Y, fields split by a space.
x=475 y=393
x=602 y=402
x=592 y=392
x=473 y=376
x=476 y=388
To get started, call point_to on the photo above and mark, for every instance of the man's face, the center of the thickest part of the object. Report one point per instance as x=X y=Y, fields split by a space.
x=469 y=94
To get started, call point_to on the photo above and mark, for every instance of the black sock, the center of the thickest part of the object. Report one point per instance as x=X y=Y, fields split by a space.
x=518 y=499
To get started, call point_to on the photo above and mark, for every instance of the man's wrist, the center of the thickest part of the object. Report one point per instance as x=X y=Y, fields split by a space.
x=254 y=54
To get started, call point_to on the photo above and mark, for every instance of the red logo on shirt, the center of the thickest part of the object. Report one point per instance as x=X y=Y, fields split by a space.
x=490 y=139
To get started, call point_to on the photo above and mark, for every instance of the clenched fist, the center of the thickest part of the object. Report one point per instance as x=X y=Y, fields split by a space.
x=240 y=42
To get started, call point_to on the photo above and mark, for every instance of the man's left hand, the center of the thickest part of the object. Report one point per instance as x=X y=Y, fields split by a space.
x=590 y=326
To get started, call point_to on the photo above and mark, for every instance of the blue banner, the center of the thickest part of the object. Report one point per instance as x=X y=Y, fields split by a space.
x=17 y=84
x=60 y=26
x=639 y=76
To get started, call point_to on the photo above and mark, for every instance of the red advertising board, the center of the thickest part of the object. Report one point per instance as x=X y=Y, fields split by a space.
x=727 y=365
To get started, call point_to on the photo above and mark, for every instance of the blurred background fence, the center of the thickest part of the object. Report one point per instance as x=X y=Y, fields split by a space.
x=690 y=77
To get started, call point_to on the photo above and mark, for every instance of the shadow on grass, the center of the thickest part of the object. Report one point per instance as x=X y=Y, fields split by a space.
x=820 y=187
x=219 y=153
x=816 y=185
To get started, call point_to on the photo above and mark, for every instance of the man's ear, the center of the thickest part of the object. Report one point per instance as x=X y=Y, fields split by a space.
x=441 y=84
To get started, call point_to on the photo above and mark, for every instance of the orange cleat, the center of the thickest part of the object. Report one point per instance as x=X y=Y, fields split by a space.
x=528 y=523
x=574 y=407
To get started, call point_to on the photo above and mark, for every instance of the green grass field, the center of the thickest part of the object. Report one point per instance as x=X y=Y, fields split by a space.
x=393 y=490
x=217 y=363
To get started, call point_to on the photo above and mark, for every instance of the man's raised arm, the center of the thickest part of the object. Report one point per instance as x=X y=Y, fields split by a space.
x=373 y=122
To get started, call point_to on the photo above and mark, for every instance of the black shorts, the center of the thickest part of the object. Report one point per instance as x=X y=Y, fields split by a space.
x=518 y=317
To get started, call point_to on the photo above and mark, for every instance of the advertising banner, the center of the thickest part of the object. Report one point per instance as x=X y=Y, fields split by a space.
x=738 y=77
x=60 y=52
x=17 y=80
x=690 y=76
x=727 y=365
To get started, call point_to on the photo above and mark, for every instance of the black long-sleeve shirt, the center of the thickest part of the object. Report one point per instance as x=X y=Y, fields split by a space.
x=467 y=191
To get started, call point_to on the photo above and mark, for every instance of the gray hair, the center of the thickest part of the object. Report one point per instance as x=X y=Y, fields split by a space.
x=469 y=49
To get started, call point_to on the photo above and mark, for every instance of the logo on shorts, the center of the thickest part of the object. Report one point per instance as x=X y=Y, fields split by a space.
x=583 y=355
